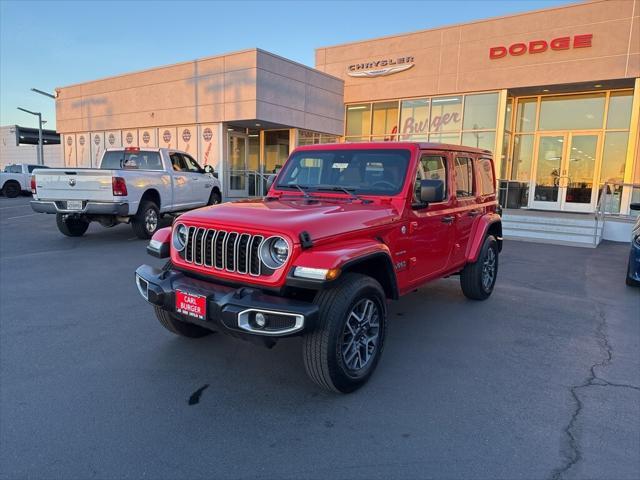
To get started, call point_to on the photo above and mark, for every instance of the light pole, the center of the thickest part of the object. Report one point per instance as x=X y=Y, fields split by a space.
x=40 y=145
x=46 y=94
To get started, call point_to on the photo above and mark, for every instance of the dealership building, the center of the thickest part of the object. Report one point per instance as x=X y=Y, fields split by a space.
x=554 y=93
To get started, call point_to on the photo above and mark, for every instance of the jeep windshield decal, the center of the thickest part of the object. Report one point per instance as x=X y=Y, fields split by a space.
x=353 y=172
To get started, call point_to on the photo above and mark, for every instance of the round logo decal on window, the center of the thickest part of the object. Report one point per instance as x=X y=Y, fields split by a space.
x=146 y=137
x=186 y=135
x=166 y=136
x=207 y=134
x=96 y=139
x=81 y=140
x=112 y=139
x=129 y=138
x=69 y=141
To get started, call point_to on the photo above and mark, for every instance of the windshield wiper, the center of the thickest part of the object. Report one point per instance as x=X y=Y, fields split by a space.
x=337 y=188
x=299 y=187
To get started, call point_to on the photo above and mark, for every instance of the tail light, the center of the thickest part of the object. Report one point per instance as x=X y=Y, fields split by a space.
x=33 y=184
x=119 y=187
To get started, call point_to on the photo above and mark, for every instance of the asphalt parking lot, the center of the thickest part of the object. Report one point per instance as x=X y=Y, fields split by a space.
x=541 y=381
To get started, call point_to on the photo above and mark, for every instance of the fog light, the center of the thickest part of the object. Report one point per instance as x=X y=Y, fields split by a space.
x=260 y=320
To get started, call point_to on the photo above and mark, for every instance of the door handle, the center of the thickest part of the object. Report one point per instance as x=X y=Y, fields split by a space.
x=448 y=219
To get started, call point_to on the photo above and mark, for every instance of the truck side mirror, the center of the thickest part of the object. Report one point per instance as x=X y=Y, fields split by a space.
x=208 y=169
x=431 y=191
x=270 y=180
x=635 y=206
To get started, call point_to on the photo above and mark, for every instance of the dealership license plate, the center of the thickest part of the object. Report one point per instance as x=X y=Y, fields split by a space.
x=192 y=305
x=74 y=204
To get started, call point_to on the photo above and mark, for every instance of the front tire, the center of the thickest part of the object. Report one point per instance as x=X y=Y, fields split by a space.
x=342 y=352
x=477 y=279
x=145 y=222
x=11 y=189
x=215 y=198
x=177 y=327
x=70 y=226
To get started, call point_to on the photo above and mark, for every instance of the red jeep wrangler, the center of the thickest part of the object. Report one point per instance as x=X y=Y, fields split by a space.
x=343 y=229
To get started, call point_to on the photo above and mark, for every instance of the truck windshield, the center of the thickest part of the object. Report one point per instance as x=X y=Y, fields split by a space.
x=134 y=160
x=366 y=171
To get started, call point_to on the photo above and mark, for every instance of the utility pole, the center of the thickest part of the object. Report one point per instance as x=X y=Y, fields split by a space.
x=40 y=144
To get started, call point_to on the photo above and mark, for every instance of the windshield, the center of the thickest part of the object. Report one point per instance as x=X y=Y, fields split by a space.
x=366 y=171
x=135 y=160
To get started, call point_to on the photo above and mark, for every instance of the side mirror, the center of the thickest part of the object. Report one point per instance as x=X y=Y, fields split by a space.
x=208 y=169
x=431 y=191
x=270 y=180
x=635 y=206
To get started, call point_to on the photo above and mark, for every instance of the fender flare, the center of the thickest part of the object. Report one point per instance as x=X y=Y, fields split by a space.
x=478 y=234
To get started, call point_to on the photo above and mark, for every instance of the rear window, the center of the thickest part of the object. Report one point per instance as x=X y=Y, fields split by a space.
x=485 y=175
x=131 y=160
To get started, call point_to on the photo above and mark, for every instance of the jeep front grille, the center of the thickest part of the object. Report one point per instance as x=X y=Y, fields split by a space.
x=222 y=250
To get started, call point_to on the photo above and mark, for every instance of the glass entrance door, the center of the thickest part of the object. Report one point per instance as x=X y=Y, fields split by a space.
x=565 y=172
x=237 y=154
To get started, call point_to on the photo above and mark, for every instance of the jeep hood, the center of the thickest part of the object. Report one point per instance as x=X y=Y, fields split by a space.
x=320 y=218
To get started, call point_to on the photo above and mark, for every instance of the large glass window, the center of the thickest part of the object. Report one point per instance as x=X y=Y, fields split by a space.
x=414 y=119
x=446 y=114
x=619 y=114
x=480 y=111
x=385 y=119
x=614 y=157
x=485 y=140
x=526 y=115
x=572 y=112
x=358 y=120
x=276 y=150
x=452 y=138
x=522 y=157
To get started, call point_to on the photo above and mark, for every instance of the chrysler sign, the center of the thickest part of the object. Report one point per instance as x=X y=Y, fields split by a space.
x=380 y=68
x=540 y=46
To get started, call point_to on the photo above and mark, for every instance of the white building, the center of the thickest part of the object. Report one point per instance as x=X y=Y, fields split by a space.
x=20 y=145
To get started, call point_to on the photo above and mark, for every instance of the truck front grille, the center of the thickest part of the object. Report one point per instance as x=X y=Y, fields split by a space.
x=222 y=250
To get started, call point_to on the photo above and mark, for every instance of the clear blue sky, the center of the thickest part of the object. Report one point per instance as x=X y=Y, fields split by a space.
x=54 y=43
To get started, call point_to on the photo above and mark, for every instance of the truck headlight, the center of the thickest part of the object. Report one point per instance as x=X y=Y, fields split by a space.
x=180 y=234
x=274 y=252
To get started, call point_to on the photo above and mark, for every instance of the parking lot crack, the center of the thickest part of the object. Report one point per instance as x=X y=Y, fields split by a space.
x=573 y=453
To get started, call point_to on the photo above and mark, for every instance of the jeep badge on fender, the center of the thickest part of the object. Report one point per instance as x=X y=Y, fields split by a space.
x=344 y=229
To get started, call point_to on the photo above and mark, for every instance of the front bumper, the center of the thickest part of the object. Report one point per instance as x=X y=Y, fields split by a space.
x=89 y=208
x=228 y=309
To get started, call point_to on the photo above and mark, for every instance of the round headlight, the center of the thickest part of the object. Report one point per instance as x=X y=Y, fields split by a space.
x=274 y=252
x=180 y=233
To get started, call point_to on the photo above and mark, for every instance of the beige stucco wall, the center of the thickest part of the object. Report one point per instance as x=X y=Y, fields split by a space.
x=456 y=59
x=247 y=85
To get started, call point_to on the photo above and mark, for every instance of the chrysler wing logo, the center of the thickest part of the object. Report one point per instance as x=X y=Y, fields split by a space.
x=72 y=182
x=380 y=68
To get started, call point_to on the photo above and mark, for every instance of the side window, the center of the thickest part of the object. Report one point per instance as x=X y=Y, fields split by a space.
x=464 y=177
x=31 y=168
x=177 y=162
x=431 y=167
x=485 y=177
x=191 y=164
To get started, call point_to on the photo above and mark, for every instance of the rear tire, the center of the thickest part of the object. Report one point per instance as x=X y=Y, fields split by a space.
x=71 y=227
x=342 y=352
x=145 y=222
x=170 y=322
x=11 y=189
x=215 y=198
x=477 y=279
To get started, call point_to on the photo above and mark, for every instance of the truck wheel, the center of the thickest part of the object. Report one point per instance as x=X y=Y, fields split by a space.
x=71 y=227
x=145 y=222
x=215 y=198
x=342 y=352
x=11 y=189
x=178 y=327
x=478 y=279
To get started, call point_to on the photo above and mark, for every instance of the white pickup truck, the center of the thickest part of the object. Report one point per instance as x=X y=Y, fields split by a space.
x=132 y=185
x=15 y=179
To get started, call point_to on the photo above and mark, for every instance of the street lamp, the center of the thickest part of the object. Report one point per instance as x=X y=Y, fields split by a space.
x=40 y=146
x=46 y=94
